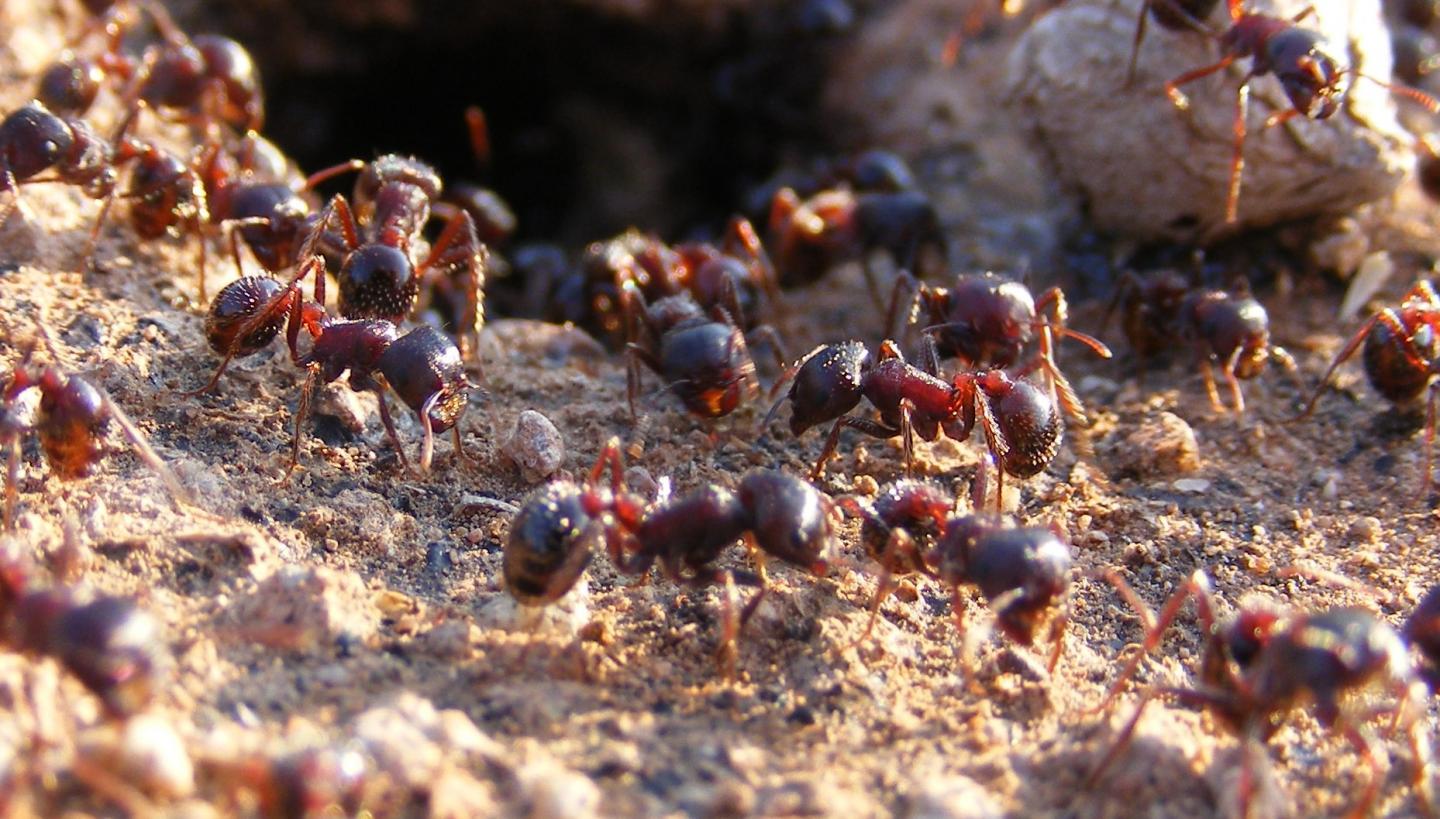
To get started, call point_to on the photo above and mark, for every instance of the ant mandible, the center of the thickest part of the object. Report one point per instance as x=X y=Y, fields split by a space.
x=1309 y=76
x=1266 y=660
x=1021 y=422
x=71 y=423
x=1401 y=356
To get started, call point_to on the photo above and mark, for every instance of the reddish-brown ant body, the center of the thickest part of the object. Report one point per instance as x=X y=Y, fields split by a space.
x=811 y=236
x=381 y=273
x=898 y=529
x=1021 y=422
x=1228 y=329
x=558 y=527
x=422 y=366
x=72 y=420
x=988 y=321
x=1401 y=353
x=1422 y=630
x=34 y=140
x=735 y=275
x=1175 y=15
x=703 y=357
x=1309 y=76
x=1265 y=661
x=108 y=643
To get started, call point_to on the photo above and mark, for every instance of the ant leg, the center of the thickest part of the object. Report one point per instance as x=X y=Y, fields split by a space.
x=1237 y=155
x=741 y=232
x=635 y=355
x=1364 y=744
x=326 y=174
x=458 y=248
x=1197 y=587
x=726 y=653
x=831 y=441
x=300 y=412
x=769 y=336
x=460 y=446
x=1346 y=352
x=998 y=446
x=1232 y=381
x=1206 y=371
x=1429 y=437
x=1135 y=45
x=872 y=428
x=905 y=281
x=1172 y=87
x=390 y=429
x=148 y=454
x=907 y=433
x=899 y=542
x=1057 y=636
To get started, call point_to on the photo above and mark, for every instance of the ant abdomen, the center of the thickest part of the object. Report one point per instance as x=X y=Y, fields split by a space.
x=233 y=307
x=73 y=418
x=827 y=385
x=1399 y=368
x=377 y=281
x=550 y=544
x=917 y=507
x=789 y=517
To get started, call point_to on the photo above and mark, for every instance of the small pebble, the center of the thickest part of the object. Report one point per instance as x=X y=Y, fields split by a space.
x=1191 y=485
x=558 y=793
x=338 y=401
x=1161 y=445
x=535 y=446
x=1365 y=530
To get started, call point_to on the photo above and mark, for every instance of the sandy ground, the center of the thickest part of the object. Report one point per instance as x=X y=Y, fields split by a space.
x=360 y=605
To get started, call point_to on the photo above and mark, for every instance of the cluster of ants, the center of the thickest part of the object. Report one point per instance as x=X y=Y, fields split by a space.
x=690 y=313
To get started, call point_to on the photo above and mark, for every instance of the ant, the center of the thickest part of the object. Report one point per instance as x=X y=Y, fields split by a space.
x=1265 y=661
x=987 y=320
x=34 y=140
x=315 y=781
x=1022 y=426
x=1422 y=630
x=71 y=423
x=1309 y=76
x=381 y=273
x=558 y=527
x=1231 y=329
x=1401 y=351
x=736 y=275
x=109 y=644
x=422 y=367
x=812 y=235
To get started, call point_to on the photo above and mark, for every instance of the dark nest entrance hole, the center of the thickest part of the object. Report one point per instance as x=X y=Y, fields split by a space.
x=661 y=120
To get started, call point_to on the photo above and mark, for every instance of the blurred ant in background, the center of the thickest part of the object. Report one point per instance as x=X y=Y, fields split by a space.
x=1230 y=329
x=71 y=422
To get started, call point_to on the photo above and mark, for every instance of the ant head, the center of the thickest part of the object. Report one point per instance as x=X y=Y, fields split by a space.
x=35 y=139
x=1248 y=634
x=1310 y=77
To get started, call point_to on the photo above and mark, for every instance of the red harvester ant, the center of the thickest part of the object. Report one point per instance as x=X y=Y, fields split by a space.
x=986 y=320
x=1021 y=571
x=558 y=527
x=111 y=645
x=422 y=366
x=1022 y=425
x=1265 y=661
x=71 y=423
x=1309 y=76
x=381 y=274
x=1230 y=329
x=1401 y=355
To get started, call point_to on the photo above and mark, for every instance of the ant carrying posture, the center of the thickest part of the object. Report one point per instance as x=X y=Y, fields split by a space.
x=108 y=643
x=1309 y=76
x=71 y=423
x=422 y=366
x=558 y=527
x=1230 y=329
x=1021 y=422
x=1401 y=351
x=1265 y=661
